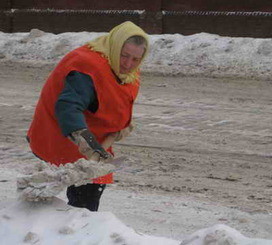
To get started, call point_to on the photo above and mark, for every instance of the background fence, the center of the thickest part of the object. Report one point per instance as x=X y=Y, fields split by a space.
x=244 y=18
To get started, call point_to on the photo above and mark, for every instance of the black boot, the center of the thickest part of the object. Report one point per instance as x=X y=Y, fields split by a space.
x=85 y=196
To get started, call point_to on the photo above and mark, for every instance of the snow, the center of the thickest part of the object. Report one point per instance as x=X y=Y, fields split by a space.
x=48 y=180
x=57 y=223
x=200 y=54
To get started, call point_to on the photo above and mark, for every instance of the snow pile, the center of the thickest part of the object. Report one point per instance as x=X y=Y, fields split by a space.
x=210 y=55
x=57 y=223
x=221 y=235
x=38 y=223
x=201 y=54
x=48 y=180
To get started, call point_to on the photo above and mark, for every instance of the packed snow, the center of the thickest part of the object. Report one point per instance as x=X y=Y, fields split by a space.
x=202 y=54
x=54 y=223
x=48 y=180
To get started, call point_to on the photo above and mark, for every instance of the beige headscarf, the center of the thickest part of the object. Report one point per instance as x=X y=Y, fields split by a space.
x=111 y=44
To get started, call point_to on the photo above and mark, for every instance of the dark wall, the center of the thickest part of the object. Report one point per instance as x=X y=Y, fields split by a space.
x=239 y=24
x=56 y=22
x=218 y=5
x=5 y=4
x=154 y=5
x=150 y=5
x=241 y=18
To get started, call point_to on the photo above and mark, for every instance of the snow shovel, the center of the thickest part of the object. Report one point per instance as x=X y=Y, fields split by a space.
x=117 y=163
x=50 y=179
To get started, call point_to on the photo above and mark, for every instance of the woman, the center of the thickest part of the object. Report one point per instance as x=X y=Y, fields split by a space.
x=88 y=96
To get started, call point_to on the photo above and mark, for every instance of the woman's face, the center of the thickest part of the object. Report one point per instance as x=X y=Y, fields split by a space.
x=130 y=58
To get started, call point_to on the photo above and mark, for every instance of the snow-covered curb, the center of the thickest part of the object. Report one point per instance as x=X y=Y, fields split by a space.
x=201 y=54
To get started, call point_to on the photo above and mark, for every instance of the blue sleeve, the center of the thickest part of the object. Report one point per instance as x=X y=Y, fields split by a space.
x=78 y=94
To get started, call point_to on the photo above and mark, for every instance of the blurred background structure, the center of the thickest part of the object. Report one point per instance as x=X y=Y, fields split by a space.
x=235 y=18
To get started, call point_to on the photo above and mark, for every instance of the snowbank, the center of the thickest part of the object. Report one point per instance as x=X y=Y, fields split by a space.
x=56 y=223
x=201 y=54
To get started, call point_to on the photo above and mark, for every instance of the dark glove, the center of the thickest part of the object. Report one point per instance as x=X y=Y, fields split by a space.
x=87 y=144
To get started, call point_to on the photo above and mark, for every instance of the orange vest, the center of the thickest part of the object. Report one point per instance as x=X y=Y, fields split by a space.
x=115 y=102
